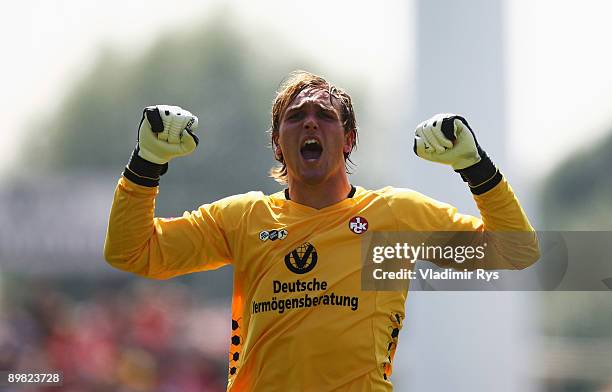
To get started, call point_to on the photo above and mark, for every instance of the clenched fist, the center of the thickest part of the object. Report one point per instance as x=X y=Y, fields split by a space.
x=166 y=132
x=448 y=139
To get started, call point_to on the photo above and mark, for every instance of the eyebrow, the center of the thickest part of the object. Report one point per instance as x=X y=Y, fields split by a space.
x=301 y=105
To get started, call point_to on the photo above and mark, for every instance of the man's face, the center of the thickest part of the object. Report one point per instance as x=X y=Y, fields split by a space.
x=311 y=137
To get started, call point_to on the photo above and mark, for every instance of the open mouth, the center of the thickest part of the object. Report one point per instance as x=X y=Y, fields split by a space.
x=311 y=149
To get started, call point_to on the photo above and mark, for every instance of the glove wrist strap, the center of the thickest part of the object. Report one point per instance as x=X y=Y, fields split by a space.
x=143 y=172
x=482 y=176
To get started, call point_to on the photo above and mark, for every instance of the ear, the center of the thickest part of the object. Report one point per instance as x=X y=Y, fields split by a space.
x=278 y=153
x=349 y=140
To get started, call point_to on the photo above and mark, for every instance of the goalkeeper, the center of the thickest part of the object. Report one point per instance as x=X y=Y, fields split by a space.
x=300 y=320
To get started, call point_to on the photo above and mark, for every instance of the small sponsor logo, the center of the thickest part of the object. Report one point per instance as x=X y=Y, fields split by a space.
x=302 y=259
x=358 y=224
x=273 y=235
x=190 y=124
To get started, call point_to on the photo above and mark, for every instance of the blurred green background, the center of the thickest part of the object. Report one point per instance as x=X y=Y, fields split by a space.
x=62 y=307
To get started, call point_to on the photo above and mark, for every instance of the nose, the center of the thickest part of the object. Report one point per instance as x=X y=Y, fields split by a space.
x=310 y=124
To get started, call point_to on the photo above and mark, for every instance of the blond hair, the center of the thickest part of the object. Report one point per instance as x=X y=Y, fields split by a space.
x=296 y=82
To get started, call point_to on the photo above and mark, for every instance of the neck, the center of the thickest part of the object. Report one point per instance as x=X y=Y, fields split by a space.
x=319 y=195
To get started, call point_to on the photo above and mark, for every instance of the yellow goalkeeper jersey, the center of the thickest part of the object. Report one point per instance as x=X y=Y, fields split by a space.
x=300 y=321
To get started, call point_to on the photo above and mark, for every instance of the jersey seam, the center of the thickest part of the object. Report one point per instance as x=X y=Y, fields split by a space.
x=377 y=293
x=385 y=198
x=234 y=229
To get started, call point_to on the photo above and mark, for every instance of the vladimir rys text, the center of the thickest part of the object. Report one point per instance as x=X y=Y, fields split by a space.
x=455 y=255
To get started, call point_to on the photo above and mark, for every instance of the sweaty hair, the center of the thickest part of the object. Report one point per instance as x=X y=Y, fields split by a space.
x=296 y=82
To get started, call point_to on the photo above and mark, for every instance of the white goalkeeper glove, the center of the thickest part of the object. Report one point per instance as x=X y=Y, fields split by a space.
x=165 y=132
x=448 y=139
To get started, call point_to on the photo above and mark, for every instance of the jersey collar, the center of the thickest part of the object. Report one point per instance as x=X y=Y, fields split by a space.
x=349 y=196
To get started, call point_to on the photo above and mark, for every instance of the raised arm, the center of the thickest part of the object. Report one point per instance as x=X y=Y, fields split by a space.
x=448 y=139
x=160 y=248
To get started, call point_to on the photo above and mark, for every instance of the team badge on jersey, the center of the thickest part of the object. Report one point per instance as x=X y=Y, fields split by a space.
x=358 y=224
x=302 y=259
x=273 y=235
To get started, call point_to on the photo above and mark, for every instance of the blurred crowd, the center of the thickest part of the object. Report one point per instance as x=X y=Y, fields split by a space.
x=149 y=336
